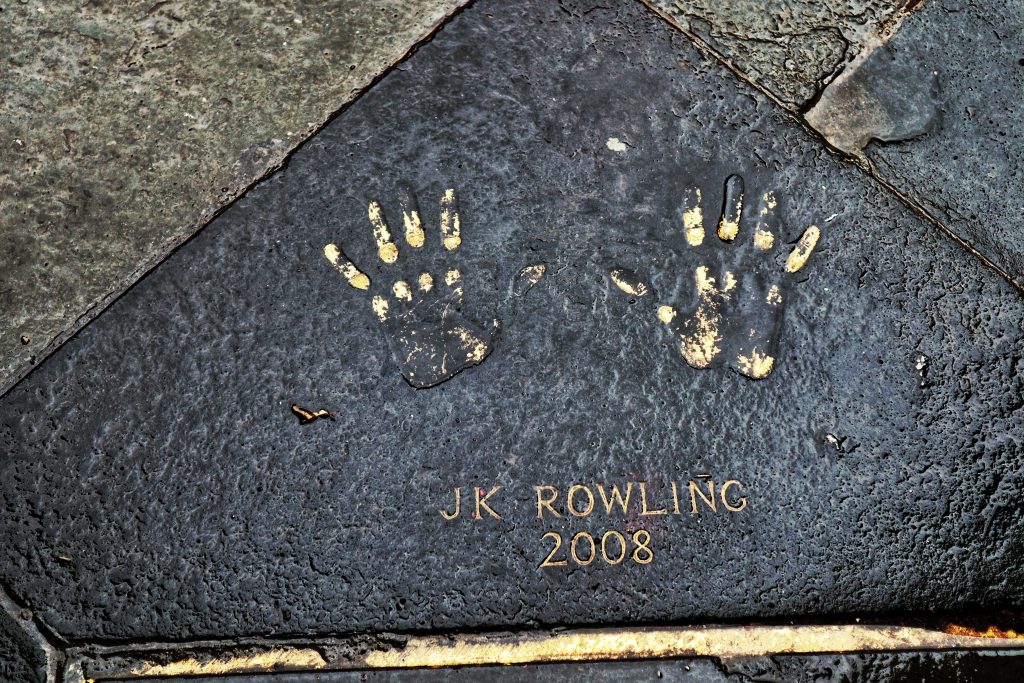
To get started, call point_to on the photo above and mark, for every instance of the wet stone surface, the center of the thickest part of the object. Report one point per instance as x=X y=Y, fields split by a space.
x=883 y=96
x=888 y=667
x=967 y=170
x=125 y=125
x=875 y=463
x=21 y=660
x=903 y=667
x=791 y=48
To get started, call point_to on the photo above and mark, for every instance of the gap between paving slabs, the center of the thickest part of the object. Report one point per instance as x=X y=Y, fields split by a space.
x=819 y=126
x=129 y=127
x=27 y=652
x=273 y=158
x=913 y=111
x=397 y=651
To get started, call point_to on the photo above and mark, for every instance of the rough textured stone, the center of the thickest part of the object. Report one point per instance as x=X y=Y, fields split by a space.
x=21 y=660
x=887 y=667
x=790 y=47
x=125 y=125
x=157 y=454
x=967 y=171
x=878 y=97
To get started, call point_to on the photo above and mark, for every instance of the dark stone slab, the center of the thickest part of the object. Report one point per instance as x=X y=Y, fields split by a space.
x=909 y=667
x=884 y=667
x=21 y=660
x=965 y=167
x=156 y=484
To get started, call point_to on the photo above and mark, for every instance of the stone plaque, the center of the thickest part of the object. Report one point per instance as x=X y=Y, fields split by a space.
x=559 y=325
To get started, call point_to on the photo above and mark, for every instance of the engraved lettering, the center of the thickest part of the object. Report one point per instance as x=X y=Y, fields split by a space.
x=593 y=549
x=611 y=547
x=695 y=492
x=642 y=554
x=543 y=502
x=622 y=547
x=613 y=553
x=616 y=497
x=481 y=502
x=643 y=503
x=725 y=499
x=549 y=561
x=573 y=490
x=458 y=506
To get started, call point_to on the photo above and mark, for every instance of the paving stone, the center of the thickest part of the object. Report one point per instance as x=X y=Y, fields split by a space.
x=908 y=667
x=885 y=667
x=965 y=167
x=790 y=47
x=859 y=384
x=880 y=97
x=688 y=671
x=126 y=125
x=21 y=660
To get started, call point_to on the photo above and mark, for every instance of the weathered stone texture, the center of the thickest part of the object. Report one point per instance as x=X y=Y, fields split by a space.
x=125 y=125
x=158 y=452
x=788 y=46
x=967 y=168
x=21 y=659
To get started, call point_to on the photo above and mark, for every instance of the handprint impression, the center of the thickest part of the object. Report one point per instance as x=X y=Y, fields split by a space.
x=736 y=315
x=429 y=337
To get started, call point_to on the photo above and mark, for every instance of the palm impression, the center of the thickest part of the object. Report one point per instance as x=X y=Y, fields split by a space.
x=735 y=316
x=429 y=336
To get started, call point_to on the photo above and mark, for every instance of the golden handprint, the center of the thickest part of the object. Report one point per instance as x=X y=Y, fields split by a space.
x=429 y=336
x=737 y=309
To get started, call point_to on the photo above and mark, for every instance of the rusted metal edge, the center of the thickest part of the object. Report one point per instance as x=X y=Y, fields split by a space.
x=531 y=647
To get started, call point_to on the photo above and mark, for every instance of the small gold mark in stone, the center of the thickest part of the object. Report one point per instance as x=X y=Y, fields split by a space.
x=307 y=416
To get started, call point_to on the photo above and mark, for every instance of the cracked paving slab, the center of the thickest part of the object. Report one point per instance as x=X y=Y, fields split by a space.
x=790 y=47
x=962 y=130
x=124 y=126
x=157 y=484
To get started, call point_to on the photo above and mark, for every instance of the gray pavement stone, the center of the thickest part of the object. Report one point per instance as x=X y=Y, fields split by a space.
x=965 y=167
x=858 y=383
x=126 y=125
x=790 y=47
x=879 y=97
